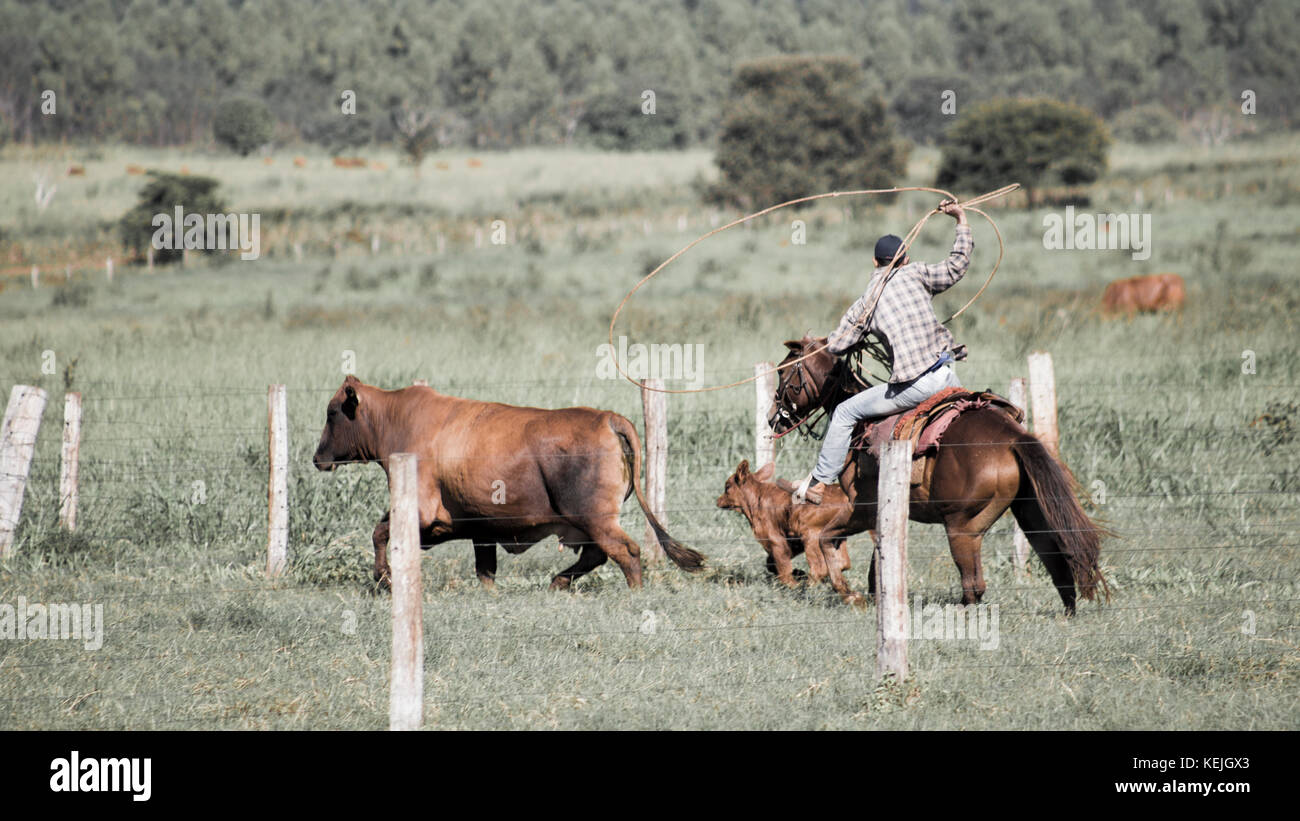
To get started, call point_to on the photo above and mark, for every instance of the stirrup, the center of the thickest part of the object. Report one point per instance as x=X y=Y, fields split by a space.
x=802 y=494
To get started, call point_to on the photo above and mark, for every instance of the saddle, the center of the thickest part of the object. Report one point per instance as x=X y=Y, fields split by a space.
x=925 y=425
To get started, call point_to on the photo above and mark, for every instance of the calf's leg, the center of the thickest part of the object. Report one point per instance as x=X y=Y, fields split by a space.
x=781 y=556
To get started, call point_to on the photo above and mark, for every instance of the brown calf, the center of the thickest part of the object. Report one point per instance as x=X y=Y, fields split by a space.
x=500 y=474
x=785 y=529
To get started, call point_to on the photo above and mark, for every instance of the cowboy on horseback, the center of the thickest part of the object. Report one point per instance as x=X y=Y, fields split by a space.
x=921 y=350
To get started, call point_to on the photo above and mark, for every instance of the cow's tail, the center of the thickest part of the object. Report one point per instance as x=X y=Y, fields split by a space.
x=682 y=556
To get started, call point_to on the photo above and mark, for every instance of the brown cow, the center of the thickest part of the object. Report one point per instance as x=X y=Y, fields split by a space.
x=501 y=474
x=1156 y=292
x=785 y=529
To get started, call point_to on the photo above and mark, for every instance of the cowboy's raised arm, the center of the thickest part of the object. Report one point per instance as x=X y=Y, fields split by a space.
x=941 y=276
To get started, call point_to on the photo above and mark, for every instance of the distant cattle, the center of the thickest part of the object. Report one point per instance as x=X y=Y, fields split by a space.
x=299 y=162
x=1156 y=292
x=474 y=163
x=135 y=169
x=349 y=162
x=76 y=171
x=501 y=474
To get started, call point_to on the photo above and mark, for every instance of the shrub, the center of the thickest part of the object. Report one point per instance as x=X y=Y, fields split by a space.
x=796 y=126
x=160 y=195
x=243 y=125
x=1032 y=142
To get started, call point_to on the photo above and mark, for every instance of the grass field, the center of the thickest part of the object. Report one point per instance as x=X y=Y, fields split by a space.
x=1193 y=462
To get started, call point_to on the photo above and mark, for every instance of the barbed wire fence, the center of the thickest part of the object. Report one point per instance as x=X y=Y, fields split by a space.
x=17 y=448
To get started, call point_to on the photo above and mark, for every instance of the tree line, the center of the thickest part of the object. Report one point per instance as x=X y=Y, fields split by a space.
x=503 y=73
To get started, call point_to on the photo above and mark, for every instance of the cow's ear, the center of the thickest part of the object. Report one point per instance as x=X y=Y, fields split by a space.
x=764 y=473
x=350 y=401
x=742 y=469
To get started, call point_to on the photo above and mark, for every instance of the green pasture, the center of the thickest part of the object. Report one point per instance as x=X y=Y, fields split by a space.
x=1192 y=462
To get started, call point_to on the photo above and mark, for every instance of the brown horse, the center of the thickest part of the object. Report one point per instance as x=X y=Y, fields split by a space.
x=986 y=464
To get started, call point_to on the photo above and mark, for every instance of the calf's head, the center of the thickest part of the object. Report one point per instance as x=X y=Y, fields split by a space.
x=346 y=435
x=741 y=483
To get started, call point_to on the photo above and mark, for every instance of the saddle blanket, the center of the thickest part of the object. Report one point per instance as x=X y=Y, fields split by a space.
x=926 y=423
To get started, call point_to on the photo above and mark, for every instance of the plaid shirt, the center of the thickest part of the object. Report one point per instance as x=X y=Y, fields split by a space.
x=904 y=319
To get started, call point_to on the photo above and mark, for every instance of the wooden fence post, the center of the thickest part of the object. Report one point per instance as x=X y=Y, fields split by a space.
x=36 y=277
x=69 y=463
x=765 y=389
x=406 y=691
x=654 y=404
x=891 y=558
x=22 y=420
x=1042 y=392
x=277 y=523
x=1018 y=397
x=108 y=267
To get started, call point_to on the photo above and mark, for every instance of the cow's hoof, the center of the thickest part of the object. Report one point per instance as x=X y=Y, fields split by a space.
x=857 y=600
x=560 y=583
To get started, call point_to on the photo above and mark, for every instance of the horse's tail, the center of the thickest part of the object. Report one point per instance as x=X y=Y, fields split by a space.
x=681 y=555
x=1067 y=541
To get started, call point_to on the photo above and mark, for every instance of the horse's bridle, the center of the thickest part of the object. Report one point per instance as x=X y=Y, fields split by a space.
x=798 y=382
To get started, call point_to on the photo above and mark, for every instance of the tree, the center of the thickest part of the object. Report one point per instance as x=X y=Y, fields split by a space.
x=1032 y=142
x=796 y=126
x=242 y=125
x=161 y=195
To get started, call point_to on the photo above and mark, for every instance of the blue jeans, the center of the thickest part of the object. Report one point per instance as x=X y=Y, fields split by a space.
x=876 y=401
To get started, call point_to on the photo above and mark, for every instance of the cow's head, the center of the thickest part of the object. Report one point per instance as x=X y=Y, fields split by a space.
x=346 y=435
x=741 y=483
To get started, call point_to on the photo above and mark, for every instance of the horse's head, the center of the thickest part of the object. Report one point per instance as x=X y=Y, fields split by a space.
x=803 y=386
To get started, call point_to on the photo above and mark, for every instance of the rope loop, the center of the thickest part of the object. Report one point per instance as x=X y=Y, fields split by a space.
x=968 y=205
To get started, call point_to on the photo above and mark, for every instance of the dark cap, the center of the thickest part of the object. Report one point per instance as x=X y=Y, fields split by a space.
x=887 y=246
